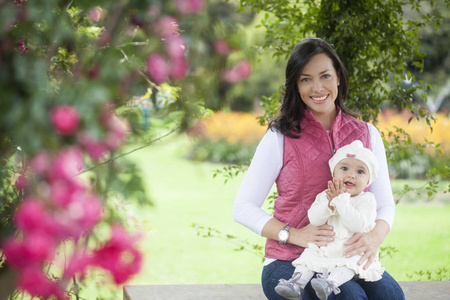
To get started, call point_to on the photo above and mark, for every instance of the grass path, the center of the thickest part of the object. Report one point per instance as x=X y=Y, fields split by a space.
x=184 y=193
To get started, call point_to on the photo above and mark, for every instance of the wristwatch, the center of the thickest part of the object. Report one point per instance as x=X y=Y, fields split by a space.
x=283 y=235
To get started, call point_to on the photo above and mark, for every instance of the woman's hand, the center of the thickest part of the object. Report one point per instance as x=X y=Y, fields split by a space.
x=367 y=244
x=319 y=235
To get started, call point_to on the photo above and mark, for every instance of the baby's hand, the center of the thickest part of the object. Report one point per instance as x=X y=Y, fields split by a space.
x=335 y=188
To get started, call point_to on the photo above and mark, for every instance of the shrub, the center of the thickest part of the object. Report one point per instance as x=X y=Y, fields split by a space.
x=413 y=161
x=226 y=137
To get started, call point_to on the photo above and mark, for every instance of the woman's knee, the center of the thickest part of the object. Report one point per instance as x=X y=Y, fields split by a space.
x=272 y=273
x=385 y=288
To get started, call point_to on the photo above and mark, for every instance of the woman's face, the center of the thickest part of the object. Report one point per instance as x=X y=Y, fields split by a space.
x=318 y=85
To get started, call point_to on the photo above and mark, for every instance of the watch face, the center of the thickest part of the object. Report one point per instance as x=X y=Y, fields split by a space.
x=283 y=235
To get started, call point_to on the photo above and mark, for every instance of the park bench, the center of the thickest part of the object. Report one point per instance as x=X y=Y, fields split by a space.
x=414 y=290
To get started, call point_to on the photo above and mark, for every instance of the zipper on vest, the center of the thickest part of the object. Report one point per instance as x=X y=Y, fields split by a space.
x=333 y=151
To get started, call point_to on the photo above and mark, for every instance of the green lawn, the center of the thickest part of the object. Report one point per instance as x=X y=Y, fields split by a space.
x=184 y=192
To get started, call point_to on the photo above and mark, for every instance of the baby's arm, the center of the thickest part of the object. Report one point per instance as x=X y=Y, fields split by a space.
x=319 y=212
x=357 y=217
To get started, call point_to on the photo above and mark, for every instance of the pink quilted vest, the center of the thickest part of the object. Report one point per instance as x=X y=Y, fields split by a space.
x=305 y=172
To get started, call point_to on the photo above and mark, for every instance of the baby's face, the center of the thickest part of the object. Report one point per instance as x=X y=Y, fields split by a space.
x=353 y=173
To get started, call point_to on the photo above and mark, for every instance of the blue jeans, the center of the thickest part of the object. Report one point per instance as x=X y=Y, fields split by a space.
x=385 y=288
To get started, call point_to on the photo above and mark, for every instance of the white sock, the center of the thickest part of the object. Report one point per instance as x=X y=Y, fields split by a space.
x=341 y=275
x=306 y=276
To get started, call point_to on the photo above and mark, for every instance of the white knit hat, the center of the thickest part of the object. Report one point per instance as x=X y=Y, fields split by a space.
x=356 y=150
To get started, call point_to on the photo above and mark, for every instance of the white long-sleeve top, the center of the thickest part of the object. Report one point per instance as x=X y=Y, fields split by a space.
x=265 y=168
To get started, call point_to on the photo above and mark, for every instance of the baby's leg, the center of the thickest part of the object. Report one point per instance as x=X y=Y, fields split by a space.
x=293 y=288
x=341 y=275
x=305 y=277
x=325 y=285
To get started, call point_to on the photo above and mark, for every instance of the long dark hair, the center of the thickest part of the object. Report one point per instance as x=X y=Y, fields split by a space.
x=292 y=107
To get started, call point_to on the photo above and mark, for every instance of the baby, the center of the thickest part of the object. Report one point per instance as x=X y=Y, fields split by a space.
x=346 y=207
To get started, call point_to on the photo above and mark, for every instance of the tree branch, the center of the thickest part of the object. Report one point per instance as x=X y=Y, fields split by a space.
x=129 y=152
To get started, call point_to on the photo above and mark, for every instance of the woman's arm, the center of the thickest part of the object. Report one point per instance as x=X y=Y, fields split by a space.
x=262 y=173
x=259 y=179
x=381 y=187
x=319 y=235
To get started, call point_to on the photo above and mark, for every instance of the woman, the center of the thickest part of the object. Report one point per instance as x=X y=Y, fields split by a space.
x=294 y=153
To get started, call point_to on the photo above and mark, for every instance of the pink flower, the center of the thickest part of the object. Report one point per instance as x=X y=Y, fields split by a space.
x=30 y=215
x=242 y=70
x=67 y=163
x=221 y=47
x=21 y=182
x=166 y=27
x=63 y=192
x=96 y=14
x=96 y=149
x=189 y=7
x=36 y=283
x=176 y=46
x=22 y=47
x=118 y=131
x=157 y=68
x=179 y=68
x=119 y=256
x=65 y=119
x=41 y=162
x=85 y=211
x=39 y=247
x=34 y=249
x=79 y=217
x=77 y=264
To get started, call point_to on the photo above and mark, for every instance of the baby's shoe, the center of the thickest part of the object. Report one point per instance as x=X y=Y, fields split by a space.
x=290 y=289
x=323 y=287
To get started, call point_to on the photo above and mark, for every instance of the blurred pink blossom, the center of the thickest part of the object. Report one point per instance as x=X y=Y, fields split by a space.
x=96 y=14
x=41 y=162
x=86 y=211
x=176 y=47
x=39 y=247
x=63 y=192
x=31 y=215
x=119 y=256
x=242 y=70
x=188 y=7
x=32 y=250
x=67 y=163
x=21 y=182
x=80 y=217
x=221 y=47
x=179 y=68
x=34 y=281
x=22 y=47
x=118 y=131
x=15 y=252
x=166 y=27
x=158 y=68
x=77 y=263
x=96 y=149
x=65 y=119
